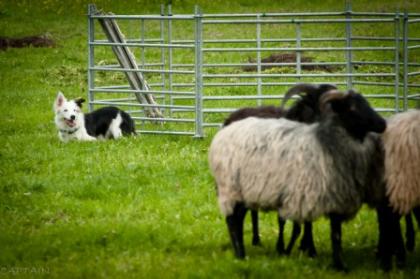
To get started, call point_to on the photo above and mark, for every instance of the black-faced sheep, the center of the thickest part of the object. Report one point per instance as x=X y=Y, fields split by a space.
x=401 y=144
x=306 y=110
x=303 y=171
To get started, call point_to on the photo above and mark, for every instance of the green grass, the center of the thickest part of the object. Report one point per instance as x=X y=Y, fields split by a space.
x=142 y=207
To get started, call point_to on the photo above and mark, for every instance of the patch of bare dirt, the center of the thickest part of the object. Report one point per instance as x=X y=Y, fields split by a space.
x=287 y=58
x=43 y=40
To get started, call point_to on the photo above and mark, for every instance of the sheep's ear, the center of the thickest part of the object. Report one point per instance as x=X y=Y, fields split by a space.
x=59 y=100
x=79 y=101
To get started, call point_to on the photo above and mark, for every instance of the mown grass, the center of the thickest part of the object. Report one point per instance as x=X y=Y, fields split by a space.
x=141 y=207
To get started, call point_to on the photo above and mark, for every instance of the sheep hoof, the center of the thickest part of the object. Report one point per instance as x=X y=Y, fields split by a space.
x=281 y=252
x=400 y=263
x=280 y=248
x=240 y=256
x=386 y=265
x=312 y=253
x=288 y=251
x=377 y=254
x=303 y=247
x=340 y=267
x=256 y=242
x=400 y=255
x=310 y=249
x=410 y=245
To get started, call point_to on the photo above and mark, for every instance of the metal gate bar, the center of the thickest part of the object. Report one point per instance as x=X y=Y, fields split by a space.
x=199 y=78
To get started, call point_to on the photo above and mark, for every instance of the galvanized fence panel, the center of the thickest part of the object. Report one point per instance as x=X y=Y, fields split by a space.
x=202 y=66
x=411 y=91
x=149 y=37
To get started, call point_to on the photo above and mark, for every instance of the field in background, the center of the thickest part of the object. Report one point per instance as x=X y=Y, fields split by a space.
x=139 y=207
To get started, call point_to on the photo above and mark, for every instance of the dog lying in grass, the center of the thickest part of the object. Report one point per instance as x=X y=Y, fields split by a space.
x=106 y=122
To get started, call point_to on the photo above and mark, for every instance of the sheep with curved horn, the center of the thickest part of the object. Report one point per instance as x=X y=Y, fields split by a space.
x=324 y=171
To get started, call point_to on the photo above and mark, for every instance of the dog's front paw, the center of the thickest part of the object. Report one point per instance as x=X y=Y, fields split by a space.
x=87 y=138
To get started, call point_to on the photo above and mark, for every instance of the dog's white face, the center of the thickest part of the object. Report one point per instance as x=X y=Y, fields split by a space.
x=68 y=114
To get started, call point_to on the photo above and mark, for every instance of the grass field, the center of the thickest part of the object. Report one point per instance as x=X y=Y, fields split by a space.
x=142 y=207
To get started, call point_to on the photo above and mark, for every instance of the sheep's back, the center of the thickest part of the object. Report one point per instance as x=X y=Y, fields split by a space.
x=402 y=160
x=271 y=164
x=260 y=112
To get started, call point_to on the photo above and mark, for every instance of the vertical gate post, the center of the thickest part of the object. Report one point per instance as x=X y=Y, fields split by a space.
x=91 y=55
x=162 y=53
x=142 y=40
x=397 y=62
x=405 y=59
x=298 y=46
x=259 y=86
x=143 y=55
x=348 y=45
x=170 y=87
x=198 y=74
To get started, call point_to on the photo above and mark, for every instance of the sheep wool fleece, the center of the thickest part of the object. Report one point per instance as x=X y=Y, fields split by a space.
x=304 y=171
x=402 y=160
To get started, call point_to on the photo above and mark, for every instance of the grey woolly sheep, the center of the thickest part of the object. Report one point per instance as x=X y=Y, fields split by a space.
x=303 y=171
x=306 y=110
x=401 y=144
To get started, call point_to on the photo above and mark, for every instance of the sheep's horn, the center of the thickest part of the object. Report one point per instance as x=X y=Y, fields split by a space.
x=302 y=87
x=306 y=88
x=329 y=96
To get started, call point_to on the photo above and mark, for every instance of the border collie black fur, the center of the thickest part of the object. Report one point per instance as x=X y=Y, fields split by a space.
x=106 y=122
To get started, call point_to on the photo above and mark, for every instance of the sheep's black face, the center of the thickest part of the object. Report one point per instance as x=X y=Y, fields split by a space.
x=358 y=116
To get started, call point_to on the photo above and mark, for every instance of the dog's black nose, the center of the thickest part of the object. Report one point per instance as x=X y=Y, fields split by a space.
x=72 y=117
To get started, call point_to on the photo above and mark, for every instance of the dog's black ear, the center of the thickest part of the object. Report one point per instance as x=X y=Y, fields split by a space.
x=79 y=101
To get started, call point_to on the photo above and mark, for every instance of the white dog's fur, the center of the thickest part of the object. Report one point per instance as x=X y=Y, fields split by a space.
x=106 y=122
x=70 y=120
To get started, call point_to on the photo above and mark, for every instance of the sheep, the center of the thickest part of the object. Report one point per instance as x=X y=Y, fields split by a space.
x=402 y=176
x=402 y=161
x=304 y=110
x=262 y=112
x=401 y=144
x=323 y=172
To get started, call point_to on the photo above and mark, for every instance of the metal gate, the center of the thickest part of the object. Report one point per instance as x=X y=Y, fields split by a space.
x=411 y=55
x=202 y=66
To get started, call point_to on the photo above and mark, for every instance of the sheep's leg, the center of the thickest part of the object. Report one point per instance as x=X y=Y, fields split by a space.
x=335 y=221
x=416 y=212
x=255 y=230
x=295 y=235
x=280 y=240
x=399 y=241
x=307 y=242
x=409 y=232
x=235 y=224
x=390 y=238
x=385 y=244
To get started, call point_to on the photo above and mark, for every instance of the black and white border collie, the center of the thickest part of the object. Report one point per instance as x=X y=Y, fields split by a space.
x=106 y=122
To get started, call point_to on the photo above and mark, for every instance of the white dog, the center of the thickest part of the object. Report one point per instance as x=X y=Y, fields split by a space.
x=106 y=122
